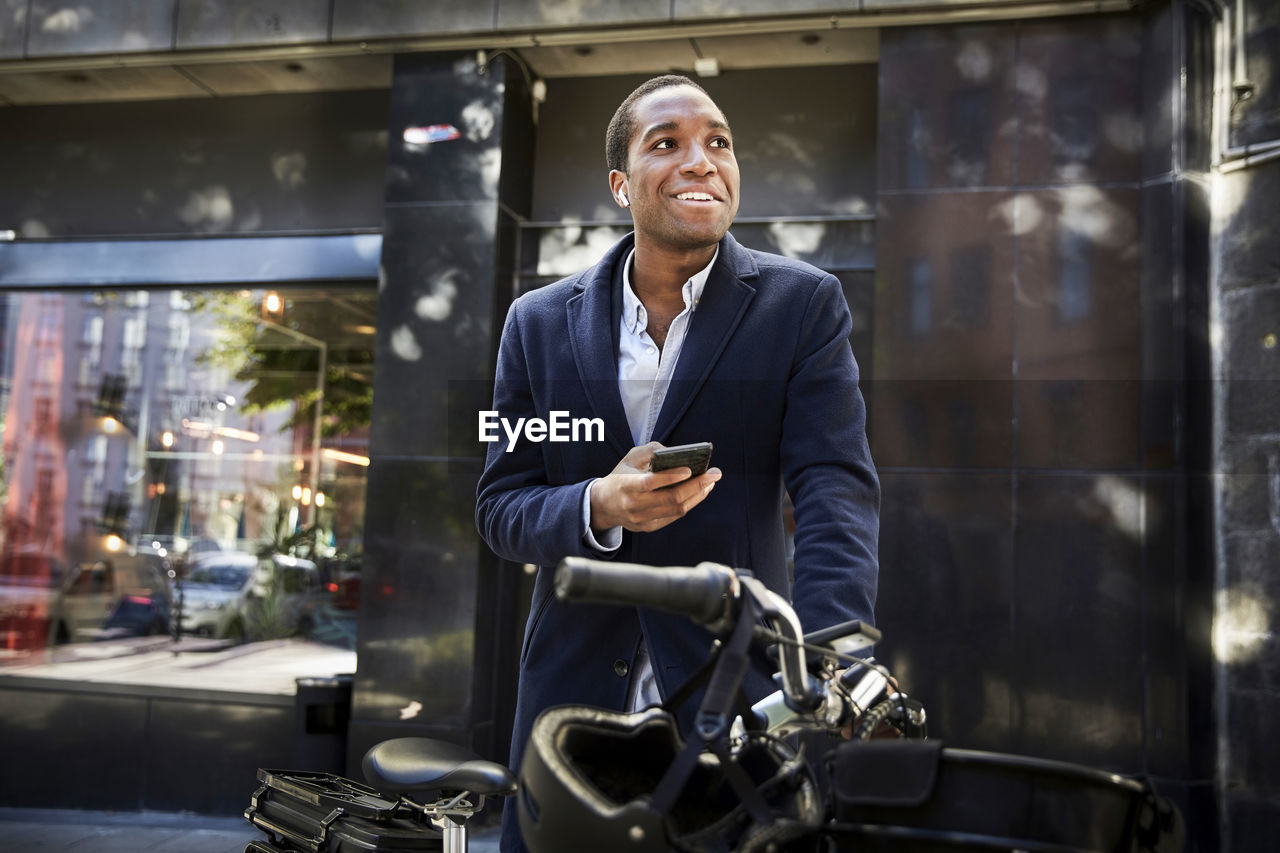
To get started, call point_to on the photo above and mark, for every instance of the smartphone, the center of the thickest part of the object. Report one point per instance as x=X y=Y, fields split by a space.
x=696 y=457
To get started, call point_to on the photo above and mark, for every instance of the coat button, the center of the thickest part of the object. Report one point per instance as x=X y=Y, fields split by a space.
x=620 y=668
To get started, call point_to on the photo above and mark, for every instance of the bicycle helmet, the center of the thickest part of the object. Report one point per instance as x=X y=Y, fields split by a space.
x=588 y=774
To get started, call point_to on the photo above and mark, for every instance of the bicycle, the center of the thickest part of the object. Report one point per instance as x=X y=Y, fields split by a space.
x=600 y=780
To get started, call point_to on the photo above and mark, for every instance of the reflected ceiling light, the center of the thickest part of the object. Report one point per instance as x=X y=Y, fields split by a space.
x=114 y=542
x=217 y=447
x=319 y=498
x=297 y=493
x=272 y=306
x=707 y=66
x=343 y=456
x=232 y=432
x=306 y=495
x=110 y=424
x=166 y=438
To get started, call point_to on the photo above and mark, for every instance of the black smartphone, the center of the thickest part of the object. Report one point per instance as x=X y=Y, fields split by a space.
x=696 y=457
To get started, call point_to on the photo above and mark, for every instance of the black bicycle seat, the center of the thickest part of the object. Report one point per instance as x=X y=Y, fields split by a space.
x=408 y=764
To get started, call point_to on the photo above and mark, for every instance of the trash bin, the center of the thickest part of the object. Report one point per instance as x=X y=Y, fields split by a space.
x=322 y=712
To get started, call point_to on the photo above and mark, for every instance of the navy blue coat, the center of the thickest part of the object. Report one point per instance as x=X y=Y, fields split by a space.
x=767 y=375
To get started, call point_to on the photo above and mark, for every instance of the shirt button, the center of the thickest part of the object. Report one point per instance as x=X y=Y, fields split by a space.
x=620 y=668
x=650 y=350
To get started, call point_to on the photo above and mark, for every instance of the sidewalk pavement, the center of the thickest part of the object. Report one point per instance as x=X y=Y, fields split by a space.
x=24 y=830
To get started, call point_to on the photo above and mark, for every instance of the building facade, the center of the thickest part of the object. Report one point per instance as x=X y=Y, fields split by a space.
x=257 y=255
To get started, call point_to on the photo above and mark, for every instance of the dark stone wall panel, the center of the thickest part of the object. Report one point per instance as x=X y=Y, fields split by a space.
x=1160 y=91
x=418 y=599
x=1163 y=350
x=1251 y=336
x=235 y=165
x=942 y=363
x=356 y=19
x=1078 y=318
x=946 y=577
x=1078 y=601
x=13 y=29
x=1078 y=94
x=733 y=8
x=207 y=773
x=218 y=23
x=1250 y=199
x=1257 y=119
x=1167 y=722
x=949 y=111
x=452 y=93
x=539 y=13
x=1250 y=465
x=435 y=327
x=98 y=737
x=99 y=26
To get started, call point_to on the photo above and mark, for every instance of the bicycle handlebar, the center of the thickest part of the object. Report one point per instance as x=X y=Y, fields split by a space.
x=704 y=593
x=707 y=593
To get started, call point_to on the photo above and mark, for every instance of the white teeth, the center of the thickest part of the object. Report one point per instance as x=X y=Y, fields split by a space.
x=695 y=197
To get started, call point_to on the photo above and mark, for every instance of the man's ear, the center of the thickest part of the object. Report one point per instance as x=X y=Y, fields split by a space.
x=618 y=187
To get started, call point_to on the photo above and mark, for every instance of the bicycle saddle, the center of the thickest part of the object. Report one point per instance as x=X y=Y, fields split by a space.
x=403 y=765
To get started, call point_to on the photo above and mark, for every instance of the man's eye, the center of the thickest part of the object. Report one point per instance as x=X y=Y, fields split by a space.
x=666 y=143
x=720 y=142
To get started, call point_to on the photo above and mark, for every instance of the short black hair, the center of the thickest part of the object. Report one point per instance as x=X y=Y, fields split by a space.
x=623 y=124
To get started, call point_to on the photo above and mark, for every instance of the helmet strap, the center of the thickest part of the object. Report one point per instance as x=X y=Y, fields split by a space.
x=712 y=722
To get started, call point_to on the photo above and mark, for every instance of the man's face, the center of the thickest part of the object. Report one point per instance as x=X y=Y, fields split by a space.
x=682 y=178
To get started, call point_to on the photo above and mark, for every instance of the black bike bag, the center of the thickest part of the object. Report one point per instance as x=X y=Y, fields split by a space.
x=325 y=813
x=916 y=796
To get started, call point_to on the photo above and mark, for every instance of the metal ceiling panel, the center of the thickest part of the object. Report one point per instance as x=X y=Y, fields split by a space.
x=132 y=83
x=314 y=74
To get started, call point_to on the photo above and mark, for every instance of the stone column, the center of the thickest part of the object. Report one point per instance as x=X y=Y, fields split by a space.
x=460 y=146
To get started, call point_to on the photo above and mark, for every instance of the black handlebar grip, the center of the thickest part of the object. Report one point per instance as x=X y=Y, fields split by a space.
x=703 y=593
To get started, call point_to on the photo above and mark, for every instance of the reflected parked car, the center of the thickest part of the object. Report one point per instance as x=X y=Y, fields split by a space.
x=29 y=581
x=118 y=595
x=242 y=597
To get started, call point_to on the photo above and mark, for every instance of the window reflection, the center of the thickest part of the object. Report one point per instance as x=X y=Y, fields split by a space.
x=155 y=442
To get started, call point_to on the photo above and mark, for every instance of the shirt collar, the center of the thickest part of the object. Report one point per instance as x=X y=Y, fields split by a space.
x=635 y=318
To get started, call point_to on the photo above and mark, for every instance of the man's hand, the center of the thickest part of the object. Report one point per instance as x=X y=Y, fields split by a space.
x=638 y=499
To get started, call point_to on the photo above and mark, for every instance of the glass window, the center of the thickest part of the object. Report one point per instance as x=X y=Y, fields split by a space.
x=204 y=481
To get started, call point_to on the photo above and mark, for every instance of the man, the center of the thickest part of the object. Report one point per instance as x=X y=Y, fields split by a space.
x=678 y=335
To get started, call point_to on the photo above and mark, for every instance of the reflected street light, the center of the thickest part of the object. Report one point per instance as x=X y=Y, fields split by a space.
x=323 y=349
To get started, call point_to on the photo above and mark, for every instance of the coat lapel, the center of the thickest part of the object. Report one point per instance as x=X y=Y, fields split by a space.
x=593 y=339
x=720 y=310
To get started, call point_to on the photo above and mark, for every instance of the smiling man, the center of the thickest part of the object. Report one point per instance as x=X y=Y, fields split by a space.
x=678 y=335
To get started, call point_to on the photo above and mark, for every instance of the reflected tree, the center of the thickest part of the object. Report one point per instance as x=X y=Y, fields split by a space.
x=273 y=355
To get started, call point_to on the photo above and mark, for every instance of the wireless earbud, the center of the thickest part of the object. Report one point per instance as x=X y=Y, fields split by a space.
x=622 y=199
